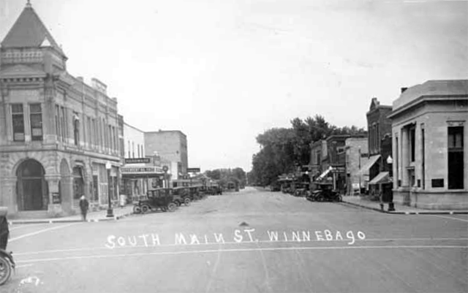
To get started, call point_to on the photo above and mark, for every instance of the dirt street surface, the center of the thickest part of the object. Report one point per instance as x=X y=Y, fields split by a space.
x=247 y=241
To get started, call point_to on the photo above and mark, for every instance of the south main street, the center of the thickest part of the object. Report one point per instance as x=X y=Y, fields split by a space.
x=250 y=241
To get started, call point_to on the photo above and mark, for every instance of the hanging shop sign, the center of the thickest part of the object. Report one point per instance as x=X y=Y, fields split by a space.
x=141 y=170
x=137 y=161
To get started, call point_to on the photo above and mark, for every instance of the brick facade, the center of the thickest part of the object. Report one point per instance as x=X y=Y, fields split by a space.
x=56 y=132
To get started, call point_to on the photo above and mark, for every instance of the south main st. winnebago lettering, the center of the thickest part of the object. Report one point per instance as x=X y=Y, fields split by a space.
x=239 y=236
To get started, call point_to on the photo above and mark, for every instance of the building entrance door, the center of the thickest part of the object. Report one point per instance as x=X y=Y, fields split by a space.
x=32 y=194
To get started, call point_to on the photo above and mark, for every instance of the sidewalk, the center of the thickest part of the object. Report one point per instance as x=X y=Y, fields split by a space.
x=98 y=216
x=399 y=209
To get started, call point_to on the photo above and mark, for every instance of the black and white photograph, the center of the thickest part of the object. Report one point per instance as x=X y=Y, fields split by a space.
x=234 y=146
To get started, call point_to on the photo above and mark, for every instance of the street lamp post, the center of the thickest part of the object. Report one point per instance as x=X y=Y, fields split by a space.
x=110 y=212
x=391 y=206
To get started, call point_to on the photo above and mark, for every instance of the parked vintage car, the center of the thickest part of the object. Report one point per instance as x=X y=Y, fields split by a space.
x=161 y=198
x=181 y=196
x=324 y=192
x=301 y=189
x=194 y=193
x=214 y=190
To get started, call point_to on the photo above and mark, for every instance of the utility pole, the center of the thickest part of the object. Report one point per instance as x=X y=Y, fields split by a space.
x=360 y=188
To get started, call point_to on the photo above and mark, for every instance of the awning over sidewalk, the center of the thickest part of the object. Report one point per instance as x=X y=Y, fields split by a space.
x=369 y=164
x=381 y=178
x=324 y=173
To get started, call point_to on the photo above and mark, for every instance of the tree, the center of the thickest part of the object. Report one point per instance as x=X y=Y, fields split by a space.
x=282 y=149
x=275 y=157
x=223 y=176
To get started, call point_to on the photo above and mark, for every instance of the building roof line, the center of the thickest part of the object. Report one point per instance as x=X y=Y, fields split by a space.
x=29 y=31
x=379 y=108
x=162 y=131
x=125 y=123
x=426 y=98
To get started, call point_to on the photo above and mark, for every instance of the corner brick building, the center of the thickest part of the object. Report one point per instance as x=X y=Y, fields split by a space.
x=57 y=134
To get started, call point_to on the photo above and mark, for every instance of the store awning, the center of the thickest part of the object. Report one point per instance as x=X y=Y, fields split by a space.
x=365 y=168
x=381 y=178
x=324 y=173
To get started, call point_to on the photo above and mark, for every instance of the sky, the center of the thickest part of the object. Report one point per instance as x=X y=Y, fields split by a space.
x=225 y=71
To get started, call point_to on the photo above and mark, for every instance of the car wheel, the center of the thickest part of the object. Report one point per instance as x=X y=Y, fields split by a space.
x=136 y=209
x=144 y=209
x=5 y=270
x=187 y=201
x=171 y=207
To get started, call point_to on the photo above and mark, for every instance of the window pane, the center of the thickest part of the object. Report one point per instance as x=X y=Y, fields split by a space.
x=17 y=108
x=455 y=137
x=36 y=120
x=18 y=122
x=36 y=126
x=458 y=140
x=18 y=127
x=35 y=108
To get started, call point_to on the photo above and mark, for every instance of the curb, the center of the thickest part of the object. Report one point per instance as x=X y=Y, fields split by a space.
x=409 y=213
x=61 y=221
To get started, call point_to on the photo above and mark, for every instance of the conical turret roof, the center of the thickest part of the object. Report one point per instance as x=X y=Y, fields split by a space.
x=29 y=31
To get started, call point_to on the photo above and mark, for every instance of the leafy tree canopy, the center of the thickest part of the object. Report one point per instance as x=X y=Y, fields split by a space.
x=282 y=149
x=224 y=176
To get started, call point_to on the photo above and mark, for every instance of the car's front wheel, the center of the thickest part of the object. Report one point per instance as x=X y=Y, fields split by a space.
x=5 y=270
x=171 y=207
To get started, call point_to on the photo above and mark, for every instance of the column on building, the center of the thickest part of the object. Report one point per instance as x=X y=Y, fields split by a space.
x=404 y=157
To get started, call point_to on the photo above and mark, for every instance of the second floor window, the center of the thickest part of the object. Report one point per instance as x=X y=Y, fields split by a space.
x=35 y=113
x=76 y=128
x=18 y=122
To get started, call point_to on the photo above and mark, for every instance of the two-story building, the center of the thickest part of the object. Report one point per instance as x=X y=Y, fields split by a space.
x=59 y=137
x=379 y=128
x=429 y=126
x=356 y=156
x=135 y=174
x=318 y=150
